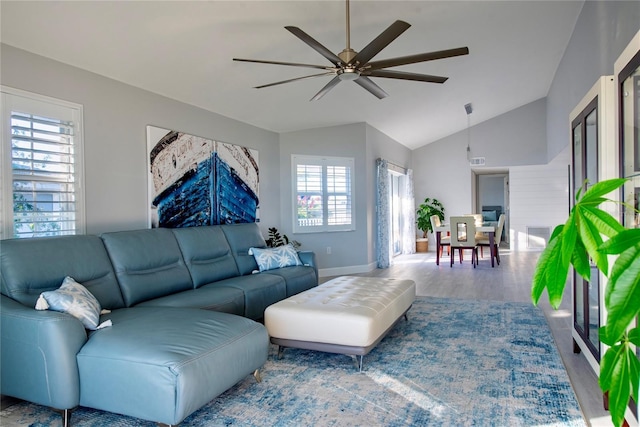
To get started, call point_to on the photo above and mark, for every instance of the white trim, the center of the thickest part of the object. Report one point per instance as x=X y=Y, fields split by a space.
x=342 y=271
x=49 y=106
x=324 y=162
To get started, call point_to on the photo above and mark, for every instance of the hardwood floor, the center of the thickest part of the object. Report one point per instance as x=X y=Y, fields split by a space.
x=510 y=281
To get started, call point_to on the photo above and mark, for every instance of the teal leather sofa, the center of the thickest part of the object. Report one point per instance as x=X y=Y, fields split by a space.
x=185 y=309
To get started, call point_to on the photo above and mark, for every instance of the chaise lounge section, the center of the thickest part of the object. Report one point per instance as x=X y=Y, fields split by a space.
x=183 y=306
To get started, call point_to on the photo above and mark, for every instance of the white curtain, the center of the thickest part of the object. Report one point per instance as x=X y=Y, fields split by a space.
x=408 y=215
x=383 y=250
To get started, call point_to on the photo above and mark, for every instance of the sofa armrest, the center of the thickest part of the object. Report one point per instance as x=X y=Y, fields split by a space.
x=38 y=352
x=309 y=258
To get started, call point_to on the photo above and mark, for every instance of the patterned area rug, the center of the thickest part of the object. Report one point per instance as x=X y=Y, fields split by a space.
x=454 y=363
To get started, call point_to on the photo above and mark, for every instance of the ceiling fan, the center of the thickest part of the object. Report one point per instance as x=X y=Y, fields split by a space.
x=351 y=65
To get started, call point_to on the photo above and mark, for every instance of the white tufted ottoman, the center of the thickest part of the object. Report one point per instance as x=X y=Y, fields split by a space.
x=346 y=315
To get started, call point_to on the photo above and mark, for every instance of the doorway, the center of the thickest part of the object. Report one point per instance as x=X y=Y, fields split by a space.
x=491 y=197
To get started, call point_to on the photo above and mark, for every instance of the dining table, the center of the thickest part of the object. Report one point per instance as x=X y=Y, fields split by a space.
x=488 y=227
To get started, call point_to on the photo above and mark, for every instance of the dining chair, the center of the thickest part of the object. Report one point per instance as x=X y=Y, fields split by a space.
x=484 y=241
x=463 y=236
x=444 y=240
x=479 y=220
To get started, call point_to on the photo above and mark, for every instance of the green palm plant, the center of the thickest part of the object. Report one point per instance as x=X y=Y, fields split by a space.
x=573 y=243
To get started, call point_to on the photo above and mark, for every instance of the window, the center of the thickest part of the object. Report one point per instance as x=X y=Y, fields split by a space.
x=323 y=194
x=41 y=160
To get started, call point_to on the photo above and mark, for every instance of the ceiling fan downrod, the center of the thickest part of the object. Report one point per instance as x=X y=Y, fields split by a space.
x=347 y=54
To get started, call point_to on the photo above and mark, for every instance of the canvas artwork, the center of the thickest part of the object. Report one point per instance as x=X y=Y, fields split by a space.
x=197 y=181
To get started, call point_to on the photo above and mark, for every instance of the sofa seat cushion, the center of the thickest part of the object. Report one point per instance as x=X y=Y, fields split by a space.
x=216 y=298
x=260 y=291
x=162 y=364
x=298 y=278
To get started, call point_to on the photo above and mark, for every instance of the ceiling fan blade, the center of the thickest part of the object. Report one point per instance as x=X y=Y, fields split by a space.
x=334 y=81
x=405 y=76
x=373 y=88
x=332 y=57
x=380 y=42
x=293 y=80
x=292 y=64
x=421 y=57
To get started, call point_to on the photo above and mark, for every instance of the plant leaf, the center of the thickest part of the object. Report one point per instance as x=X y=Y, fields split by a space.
x=607 y=364
x=580 y=261
x=591 y=238
x=556 y=232
x=622 y=241
x=602 y=334
x=622 y=294
x=634 y=367
x=551 y=273
x=634 y=336
x=601 y=189
x=602 y=220
x=615 y=377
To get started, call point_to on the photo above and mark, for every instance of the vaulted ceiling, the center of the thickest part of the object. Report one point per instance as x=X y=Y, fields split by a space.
x=184 y=50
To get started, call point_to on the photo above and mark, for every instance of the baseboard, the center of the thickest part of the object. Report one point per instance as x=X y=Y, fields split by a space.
x=344 y=271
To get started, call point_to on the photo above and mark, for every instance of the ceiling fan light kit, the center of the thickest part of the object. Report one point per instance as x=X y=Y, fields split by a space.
x=350 y=65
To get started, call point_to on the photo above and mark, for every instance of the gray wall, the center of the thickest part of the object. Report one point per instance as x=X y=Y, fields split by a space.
x=603 y=30
x=115 y=120
x=350 y=250
x=514 y=138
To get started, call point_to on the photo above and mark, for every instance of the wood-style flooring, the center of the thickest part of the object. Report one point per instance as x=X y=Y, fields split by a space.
x=509 y=281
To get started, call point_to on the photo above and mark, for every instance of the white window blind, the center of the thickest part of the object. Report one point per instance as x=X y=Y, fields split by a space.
x=42 y=154
x=323 y=194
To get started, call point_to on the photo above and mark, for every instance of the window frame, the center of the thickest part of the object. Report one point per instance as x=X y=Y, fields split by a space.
x=324 y=162
x=36 y=104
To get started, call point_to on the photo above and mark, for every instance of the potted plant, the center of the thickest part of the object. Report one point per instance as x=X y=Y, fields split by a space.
x=276 y=239
x=423 y=220
x=574 y=242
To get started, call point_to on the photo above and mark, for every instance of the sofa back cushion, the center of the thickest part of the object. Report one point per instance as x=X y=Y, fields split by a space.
x=147 y=263
x=241 y=237
x=29 y=267
x=206 y=253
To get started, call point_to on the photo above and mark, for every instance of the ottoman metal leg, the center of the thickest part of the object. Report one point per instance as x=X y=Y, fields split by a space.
x=257 y=376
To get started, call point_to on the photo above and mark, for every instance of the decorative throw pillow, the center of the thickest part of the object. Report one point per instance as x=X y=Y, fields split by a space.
x=272 y=258
x=73 y=298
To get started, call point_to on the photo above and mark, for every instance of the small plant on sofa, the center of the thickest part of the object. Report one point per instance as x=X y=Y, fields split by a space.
x=276 y=239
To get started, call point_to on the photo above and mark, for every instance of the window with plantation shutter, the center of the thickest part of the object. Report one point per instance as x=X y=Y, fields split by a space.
x=323 y=194
x=42 y=166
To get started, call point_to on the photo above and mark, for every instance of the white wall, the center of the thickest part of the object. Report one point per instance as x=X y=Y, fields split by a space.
x=115 y=120
x=539 y=197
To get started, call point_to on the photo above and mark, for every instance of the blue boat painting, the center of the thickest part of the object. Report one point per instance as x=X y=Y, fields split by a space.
x=197 y=181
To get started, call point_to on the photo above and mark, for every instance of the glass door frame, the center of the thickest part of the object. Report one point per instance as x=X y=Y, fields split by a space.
x=583 y=321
